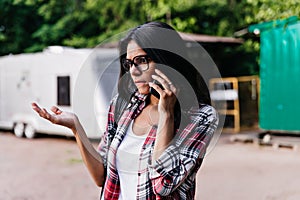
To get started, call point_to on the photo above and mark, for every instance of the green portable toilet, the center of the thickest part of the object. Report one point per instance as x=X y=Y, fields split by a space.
x=279 y=107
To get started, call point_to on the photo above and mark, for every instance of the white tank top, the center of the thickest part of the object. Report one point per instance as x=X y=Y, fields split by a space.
x=127 y=161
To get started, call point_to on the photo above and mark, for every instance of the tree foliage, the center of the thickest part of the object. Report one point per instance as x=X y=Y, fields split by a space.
x=31 y=25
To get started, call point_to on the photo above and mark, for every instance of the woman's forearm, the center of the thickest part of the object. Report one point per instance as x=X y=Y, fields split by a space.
x=164 y=134
x=90 y=156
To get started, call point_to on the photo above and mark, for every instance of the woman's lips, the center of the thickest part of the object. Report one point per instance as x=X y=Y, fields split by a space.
x=140 y=83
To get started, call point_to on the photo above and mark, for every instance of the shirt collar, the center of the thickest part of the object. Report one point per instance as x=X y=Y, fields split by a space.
x=137 y=98
x=140 y=97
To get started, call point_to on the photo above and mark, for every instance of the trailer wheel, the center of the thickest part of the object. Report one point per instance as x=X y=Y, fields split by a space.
x=19 y=129
x=29 y=131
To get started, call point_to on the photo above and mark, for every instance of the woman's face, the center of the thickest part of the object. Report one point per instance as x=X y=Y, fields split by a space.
x=141 y=75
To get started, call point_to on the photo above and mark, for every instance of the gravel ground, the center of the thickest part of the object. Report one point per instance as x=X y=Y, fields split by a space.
x=50 y=168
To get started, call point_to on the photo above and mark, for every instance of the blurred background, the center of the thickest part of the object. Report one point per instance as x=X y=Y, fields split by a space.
x=255 y=45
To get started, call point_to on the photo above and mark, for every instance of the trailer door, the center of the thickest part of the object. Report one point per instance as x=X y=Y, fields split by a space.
x=63 y=91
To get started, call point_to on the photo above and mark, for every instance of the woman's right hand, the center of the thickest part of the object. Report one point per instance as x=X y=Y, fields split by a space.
x=90 y=156
x=58 y=117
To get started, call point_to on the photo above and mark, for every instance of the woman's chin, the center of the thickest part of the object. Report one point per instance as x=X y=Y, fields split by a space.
x=144 y=90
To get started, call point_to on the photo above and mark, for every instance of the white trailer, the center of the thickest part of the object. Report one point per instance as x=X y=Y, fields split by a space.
x=77 y=80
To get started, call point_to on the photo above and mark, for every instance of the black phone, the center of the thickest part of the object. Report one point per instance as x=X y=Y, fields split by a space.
x=153 y=91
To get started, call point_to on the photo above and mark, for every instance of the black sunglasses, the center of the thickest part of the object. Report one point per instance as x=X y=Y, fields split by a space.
x=141 y=62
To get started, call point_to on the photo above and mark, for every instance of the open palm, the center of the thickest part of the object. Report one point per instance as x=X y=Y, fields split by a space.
x=58 y=116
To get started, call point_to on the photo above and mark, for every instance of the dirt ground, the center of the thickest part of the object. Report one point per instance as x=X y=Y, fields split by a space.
x=51 y=168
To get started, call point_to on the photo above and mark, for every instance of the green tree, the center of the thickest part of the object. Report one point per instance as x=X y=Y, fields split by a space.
x=31 y=25
x=61 y=20
x=265 y=10
x=17 y=24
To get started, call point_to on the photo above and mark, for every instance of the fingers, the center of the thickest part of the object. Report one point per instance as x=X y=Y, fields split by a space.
x=164 y=81
x=156 y=87
x=36 y=108
x=56 y=110
x=44 y=113
x=162 y=75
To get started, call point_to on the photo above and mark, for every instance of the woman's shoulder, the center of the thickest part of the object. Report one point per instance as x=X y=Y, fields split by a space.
x=135 y=96
x=207 y=108
x=204 y=111
x=114 y=99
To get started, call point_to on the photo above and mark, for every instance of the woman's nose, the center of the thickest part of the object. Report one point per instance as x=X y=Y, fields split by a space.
x=135 y=70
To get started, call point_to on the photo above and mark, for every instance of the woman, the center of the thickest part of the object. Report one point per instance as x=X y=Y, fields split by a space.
x=156 y=134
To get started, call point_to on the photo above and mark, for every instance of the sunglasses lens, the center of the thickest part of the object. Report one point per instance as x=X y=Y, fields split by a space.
x=142 y=62
x=126 y=64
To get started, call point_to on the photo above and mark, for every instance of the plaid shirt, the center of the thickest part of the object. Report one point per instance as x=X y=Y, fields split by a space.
x=172 y=175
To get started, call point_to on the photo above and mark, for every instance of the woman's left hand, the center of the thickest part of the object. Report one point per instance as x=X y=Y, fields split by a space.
x=167 y=98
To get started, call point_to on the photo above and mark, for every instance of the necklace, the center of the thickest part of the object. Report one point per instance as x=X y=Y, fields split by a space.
x=142 y=126
x=139 y=129
x=150 y=121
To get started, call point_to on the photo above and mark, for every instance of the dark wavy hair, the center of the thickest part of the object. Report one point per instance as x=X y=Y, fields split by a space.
x=167 y=49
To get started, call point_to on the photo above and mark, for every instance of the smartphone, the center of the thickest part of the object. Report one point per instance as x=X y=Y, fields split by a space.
x=153 y=91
